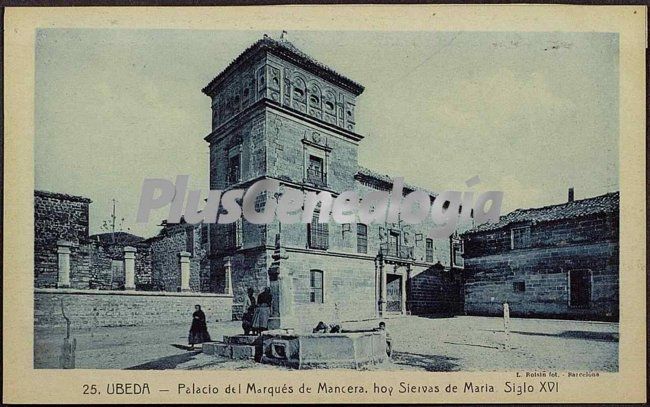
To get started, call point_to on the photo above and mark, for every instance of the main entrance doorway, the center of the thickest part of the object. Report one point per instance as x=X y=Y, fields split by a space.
x=393 y=293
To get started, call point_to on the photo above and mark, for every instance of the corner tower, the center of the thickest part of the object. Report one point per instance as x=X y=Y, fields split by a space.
x=277 y=113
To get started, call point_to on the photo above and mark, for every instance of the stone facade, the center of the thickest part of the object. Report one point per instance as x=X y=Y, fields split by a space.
x=558 y=261
x=96 y=292
x=165 y=249
x=59 y=217
x=297 y=127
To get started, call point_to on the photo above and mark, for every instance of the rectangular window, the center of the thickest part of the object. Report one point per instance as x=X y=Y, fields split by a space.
x=457 y=253
x=520 y=238
x=362 y=238
x=393 y=244
x=429 y=247
x=316 y=171
x=234 y=169
x=233 y=235
x=318 y=233
x=579 y=288
x=260 y=202
x=316 y=287
x=519 y=286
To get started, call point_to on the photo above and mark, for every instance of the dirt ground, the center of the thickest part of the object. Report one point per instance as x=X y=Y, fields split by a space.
x=460 y=343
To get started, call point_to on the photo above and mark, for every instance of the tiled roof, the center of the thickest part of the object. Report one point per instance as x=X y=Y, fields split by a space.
x=387 y=180
x=289 y=51
x=66 y=197
x=608 y=203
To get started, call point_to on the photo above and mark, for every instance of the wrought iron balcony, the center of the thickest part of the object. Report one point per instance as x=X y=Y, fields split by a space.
x=400 y=252
x=319 y=178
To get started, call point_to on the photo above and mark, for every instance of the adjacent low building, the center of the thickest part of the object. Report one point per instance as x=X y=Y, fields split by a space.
x=115 y=279
x=556 y=261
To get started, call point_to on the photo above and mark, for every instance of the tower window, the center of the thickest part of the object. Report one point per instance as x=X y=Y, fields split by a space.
x=316 y=286
x=318 y=233
x=519 y=286
x=234 y=169
x=362 y=238
x=233 y=235
x=316 y=171
x=429 y=250
x=298 y=93
x=314 y=100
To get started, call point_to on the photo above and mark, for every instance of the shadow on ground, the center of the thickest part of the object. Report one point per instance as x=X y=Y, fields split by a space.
x=439 y=315
x=588 y=335
x=430 y=363
x=168 y=362
x=473 y=344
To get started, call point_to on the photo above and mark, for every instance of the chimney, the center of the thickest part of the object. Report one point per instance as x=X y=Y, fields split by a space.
x=571 y=194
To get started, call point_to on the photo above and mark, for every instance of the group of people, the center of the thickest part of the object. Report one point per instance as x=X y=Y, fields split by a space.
x=256 y=311
x=254 y=321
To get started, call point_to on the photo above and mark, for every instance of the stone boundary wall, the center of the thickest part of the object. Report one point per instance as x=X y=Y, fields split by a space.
x=94 y=308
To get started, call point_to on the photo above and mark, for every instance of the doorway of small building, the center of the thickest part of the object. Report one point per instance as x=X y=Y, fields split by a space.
x=579 y=288
x=394 y=293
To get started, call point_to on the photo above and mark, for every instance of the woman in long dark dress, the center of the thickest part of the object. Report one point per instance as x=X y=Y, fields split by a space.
x=262 y=311
x=199 y=329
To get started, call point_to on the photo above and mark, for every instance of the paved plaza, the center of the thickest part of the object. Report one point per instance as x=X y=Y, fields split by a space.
x=462 y=343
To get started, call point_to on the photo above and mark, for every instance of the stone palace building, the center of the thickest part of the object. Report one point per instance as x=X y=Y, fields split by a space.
x=276 y=114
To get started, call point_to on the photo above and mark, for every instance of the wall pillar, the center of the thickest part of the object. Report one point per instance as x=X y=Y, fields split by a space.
x=384 y=289
x=409 y=289
x=184 y=258
x=280 y=282
x=403 y=288
x=63 y=253
x=129 y=267
x=228 y=275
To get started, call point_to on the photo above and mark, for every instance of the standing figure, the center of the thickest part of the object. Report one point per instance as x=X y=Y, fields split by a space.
x=389 y=345
x=262 y=311
x=249 y=311
x=199 y=329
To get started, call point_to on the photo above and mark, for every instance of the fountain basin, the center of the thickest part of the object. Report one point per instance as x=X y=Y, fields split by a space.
x=349 y=350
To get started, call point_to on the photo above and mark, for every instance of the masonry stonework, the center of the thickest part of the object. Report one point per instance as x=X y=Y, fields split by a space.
x=569 y=267
x=279 y=114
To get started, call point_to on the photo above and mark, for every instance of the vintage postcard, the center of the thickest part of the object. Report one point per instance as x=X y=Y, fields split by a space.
x=290 y=204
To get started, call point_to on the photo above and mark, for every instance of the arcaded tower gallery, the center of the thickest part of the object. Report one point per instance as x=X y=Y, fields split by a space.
x=279 y=114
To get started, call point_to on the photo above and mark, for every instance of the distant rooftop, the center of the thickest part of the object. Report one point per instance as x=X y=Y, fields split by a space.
x=66 y=197
x=607 y=203
x=288 y=51
x=364 y=173
x=120 y=237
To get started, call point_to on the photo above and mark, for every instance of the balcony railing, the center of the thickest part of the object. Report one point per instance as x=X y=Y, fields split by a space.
x=400 y=252
x=319 y=178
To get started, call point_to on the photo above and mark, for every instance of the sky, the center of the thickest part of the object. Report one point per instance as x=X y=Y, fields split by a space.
x=531 y=114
